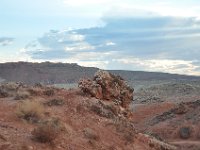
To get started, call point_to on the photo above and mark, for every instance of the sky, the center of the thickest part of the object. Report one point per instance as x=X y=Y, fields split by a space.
x=144 y=35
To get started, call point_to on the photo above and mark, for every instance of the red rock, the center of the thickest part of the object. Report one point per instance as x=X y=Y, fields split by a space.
x=107 y=86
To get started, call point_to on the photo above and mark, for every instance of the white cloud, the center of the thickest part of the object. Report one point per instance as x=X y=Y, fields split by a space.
x=92 y=56
x=137 y=7
x=161 y=65
x=110 y=44
x=87 y=2
x=5 y=41
x=73 y=37
x=18 y=56
x=79 y=47
x=166 y=44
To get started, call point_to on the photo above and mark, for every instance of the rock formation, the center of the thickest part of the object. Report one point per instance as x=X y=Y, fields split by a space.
x=107 y=86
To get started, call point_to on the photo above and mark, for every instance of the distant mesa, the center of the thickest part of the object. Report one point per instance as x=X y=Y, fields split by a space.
x=63 y=73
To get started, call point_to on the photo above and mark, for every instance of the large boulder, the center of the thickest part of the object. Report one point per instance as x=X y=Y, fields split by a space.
x=107 y=86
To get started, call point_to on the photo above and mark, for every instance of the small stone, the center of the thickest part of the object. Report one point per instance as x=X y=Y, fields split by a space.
x=185 y=132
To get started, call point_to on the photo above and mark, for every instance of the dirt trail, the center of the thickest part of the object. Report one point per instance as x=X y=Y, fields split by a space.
x=141 y=112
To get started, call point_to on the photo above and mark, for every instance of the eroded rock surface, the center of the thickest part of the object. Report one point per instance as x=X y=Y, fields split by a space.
x=107 y=86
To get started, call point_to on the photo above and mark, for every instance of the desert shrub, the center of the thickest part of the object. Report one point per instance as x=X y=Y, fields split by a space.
x=47 y=131
x=104 y=109
x=99 y=110
x=35 y=91
x=45 y=134
x=30 y=111
x=38 y=85
x=155 y=135
x=11 y=86
x=3 y=93
x=8 y=89
x=55 y=102
x=22 y=95
x=126 y=128
x=49 y=92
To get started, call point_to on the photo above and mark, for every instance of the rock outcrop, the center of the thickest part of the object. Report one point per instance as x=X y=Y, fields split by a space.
x=107 y=86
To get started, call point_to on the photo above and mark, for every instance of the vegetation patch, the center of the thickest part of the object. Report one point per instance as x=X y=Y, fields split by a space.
x=125 y=128
x=47 y=131
x=49 y=92
x=3 y=93
x=30 y=111
x=55 y=102
x=22 y=95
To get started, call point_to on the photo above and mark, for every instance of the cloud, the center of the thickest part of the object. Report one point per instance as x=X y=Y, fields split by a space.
x=135 y=7
x=5 y=41
x=156 y=37
x=86 y=2
x=157 y=43
x=163 y=65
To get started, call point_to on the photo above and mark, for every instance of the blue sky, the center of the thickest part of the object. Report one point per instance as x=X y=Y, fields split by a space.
x=149 y=35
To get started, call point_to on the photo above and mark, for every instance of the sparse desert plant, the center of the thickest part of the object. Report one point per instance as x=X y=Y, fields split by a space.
x=47 y=131
x=49 y=92
x=45 y=134
x=30 y=111
x=8 y=89
x=22 y=95
x=3 y=93
x=101 y=111
x=55 y=102
x=38 y=85
x=125 y=128
x=11 y=86
x=35 y=91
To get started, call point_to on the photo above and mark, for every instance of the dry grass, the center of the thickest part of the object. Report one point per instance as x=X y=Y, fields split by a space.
x=55 y=102
x=49 y=92
x=45 y=134
x=47 y=131
x=35 y=91
x=30 y=111
x=11 y=86
x=3 y=93
x=22 y=95
x=125 y=128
